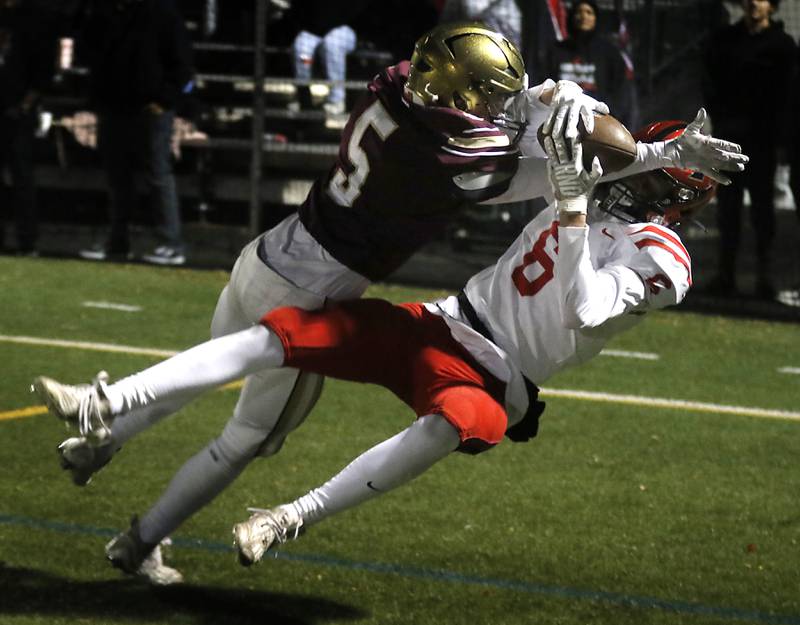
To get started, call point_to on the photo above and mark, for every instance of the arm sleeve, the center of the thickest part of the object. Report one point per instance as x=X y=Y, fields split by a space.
x=649 y=156
x=536 y=113
x=491 y=178
x=590 y=296
x=652 y=278
x=530 y=181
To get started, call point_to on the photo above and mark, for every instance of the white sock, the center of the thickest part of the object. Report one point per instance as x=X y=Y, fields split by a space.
x=137 y=421
x=198 y=369
x=388 y=465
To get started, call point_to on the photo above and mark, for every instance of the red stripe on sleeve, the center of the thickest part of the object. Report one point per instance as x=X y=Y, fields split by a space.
x=664 y=232
x=664 y=246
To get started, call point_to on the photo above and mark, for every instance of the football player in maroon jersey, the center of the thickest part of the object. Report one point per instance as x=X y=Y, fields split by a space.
x=453 y=127
x=467 y=365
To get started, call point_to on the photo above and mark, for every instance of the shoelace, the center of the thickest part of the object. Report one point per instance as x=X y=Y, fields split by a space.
x=89 y=408
x=281 y=532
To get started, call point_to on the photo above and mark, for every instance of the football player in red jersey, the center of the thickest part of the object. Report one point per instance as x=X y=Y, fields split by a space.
x=468 y=365
x=428 y=138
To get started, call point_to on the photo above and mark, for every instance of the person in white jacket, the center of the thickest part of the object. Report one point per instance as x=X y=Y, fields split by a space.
x=468 y=365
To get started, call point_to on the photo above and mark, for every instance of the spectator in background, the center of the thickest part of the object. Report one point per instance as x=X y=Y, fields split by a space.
x=27 y=63
x=590 y=59
x=753 y=51
x=140 y=61
x=325 y=32
x=502 y=16
x=791 y=297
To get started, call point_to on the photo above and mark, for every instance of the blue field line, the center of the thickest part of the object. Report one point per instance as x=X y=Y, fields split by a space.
x=615 y=598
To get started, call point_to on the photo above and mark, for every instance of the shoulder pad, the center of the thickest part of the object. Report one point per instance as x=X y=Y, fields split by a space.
x=655 y=236
x=462 y=133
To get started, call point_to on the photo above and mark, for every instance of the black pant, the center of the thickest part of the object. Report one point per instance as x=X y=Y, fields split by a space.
x=758 y=179
x=16 y=153
x=128 y=141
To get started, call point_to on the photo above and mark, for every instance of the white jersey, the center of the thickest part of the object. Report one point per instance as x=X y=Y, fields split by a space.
x=558 y=294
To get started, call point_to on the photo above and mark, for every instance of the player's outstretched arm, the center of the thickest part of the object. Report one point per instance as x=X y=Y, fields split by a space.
x=558 y=107
x=703 y=153
x=570 y=105
x=690 y=150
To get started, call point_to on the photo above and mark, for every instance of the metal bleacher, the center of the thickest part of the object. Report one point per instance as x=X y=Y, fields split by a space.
x=239 y=104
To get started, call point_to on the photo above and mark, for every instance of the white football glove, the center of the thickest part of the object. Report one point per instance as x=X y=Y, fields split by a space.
x=572 y=184
x=569 y=105
x=694 y=150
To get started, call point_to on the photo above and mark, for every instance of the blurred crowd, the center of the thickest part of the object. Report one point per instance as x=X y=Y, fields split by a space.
x=141 y=68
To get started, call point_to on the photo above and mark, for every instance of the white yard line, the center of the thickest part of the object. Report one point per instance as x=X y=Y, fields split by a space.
x=98 y=347
x=659 y=402
x=790 y=370
x=635 y=400
x=622 y=353
x=112 y=306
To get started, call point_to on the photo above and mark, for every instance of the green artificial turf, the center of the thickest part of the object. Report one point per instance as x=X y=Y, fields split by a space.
x=616 y=514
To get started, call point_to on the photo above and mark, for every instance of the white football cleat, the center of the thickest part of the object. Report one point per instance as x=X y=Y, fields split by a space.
x=129 y=554
x=84 y=405
x=265 y=529
x=83 y=459
x=155 y=571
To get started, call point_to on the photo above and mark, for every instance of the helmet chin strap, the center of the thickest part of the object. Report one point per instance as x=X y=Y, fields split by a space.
x=415 y=98
x=434 y=97
x=512 y=128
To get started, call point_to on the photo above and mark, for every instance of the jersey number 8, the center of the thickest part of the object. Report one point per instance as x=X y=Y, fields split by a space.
x=538 y=254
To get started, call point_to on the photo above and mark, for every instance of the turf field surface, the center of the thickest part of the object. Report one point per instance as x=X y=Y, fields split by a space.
x=620 y=512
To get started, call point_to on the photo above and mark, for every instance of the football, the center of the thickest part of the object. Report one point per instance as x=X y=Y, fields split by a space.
x=610 y=141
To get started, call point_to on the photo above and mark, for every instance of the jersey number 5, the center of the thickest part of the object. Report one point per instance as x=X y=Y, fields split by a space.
x=343 y=188
x=537 y=255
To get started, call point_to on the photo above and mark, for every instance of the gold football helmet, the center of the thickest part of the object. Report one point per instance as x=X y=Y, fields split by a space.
x=466 y=66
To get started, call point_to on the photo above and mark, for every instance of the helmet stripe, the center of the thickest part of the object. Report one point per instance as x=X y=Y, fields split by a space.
x=668 y=130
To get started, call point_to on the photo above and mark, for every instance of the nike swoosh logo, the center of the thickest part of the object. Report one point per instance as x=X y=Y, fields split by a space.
x=607 y=233
x=371 y=487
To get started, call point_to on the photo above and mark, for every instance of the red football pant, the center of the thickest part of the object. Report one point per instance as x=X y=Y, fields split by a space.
x=404 y=348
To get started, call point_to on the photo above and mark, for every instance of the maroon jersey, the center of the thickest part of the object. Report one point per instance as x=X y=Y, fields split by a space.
x=403 y=171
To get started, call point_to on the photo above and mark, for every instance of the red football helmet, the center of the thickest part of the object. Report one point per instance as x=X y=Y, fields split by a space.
x=667 y=196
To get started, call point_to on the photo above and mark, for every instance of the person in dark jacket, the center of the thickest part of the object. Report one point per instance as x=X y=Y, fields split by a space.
x=27 y=53
x=588 y=58
x=140 y=61
x=791 y=296
x=753 y=51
